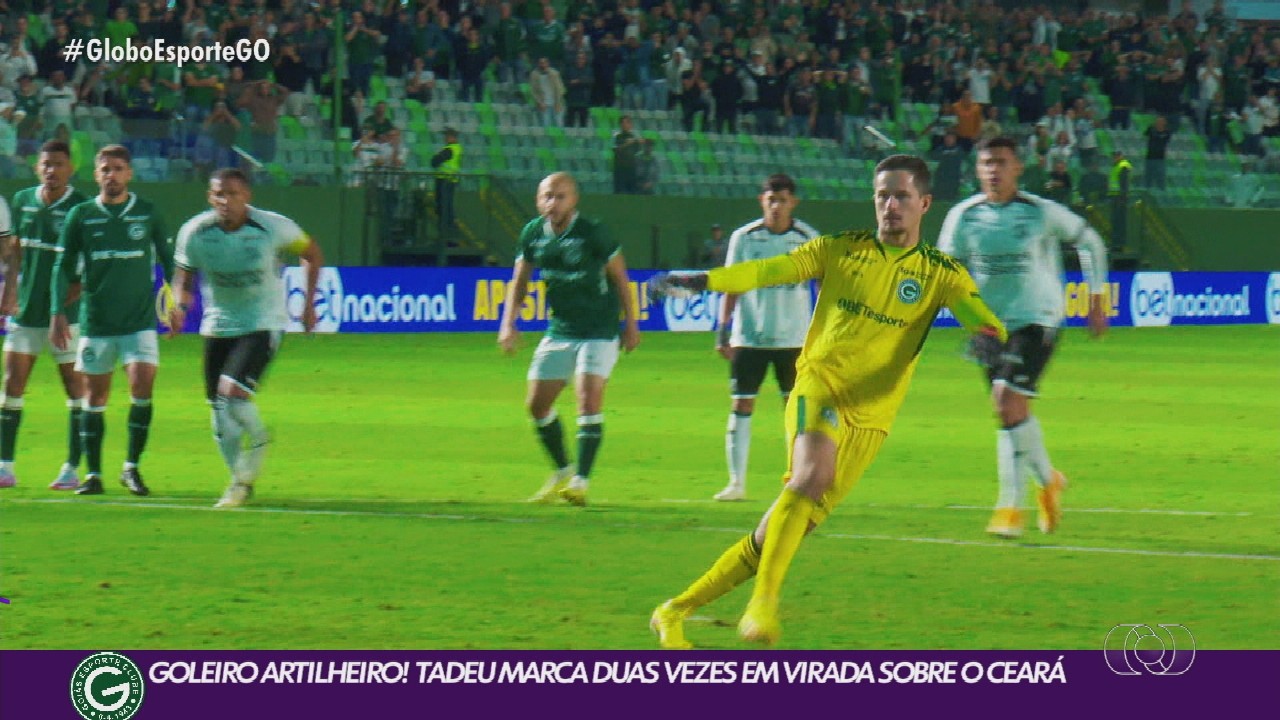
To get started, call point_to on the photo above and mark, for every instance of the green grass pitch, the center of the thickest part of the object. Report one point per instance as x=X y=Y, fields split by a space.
x=391 y=513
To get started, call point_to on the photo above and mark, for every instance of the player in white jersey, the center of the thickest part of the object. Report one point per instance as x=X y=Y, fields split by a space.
x=763 y=327
x=236 y=249
x=1011 y=243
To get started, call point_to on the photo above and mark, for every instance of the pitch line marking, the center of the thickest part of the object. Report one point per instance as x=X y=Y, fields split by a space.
x=736 y=530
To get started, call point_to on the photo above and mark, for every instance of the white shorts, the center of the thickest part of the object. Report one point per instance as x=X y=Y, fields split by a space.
x=98 y=355
x=35 y=340
x=562 y=359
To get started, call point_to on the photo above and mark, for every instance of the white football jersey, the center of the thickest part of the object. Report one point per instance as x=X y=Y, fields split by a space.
x=239 y=271
x=772 y=317
x=1014 y=253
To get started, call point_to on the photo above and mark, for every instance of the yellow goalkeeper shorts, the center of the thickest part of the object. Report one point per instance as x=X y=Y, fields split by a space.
x=811 y=409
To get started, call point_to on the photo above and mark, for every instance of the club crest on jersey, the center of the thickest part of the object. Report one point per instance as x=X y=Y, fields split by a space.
x=137 y=231
x=909 y=290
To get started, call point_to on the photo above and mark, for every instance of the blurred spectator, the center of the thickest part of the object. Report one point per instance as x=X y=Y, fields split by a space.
x=771 y=90
x=395 y=154
x=474 y=57
x=313 y=42
x=991 y=127
x=646 y=169
x=713 y=249
x=263 y=99
x=1086 y=132
x=1208 y=84
x=605 y=61
x=380 y=121
x=633 y=75
x=1216 y=126
x=1158 y=137
x=548 y=93
x=800 y=105
x=727 y=90
x=826 y=100
x=1254 y=120
x=855 y=109
x=120 y=29
x=51 y=58
x=1245 y=188
x=579 y=78
x=1058 y=186
x=1123 y=92
x=676 y=66
x=509 y=46
x=362 y=47
x=968 y=121
x=546 y=38
x=692 y=100
x=946 y=177
x=1038 y=144
x=420 y=83
x=28 y=113
x=1036 y=175
x=626 y=147
x=1093 y=184
x=202 y=82
x=397 y=33
x=367 y=153
x=292 y=74
x=1063 y=150
x=58 y=101
x=17 y=62
x=214 y=145
x=8 y=140
x=140 y=103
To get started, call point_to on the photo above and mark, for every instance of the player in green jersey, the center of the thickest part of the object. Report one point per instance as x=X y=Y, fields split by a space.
x=111 y=245
x=586 y=289
x=39 y=213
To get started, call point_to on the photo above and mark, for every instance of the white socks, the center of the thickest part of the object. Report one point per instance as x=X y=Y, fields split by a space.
x=1020 y=452
x=227 y=432
x=233 y=419
x=1028 y=441
x=245 y=412
x=1008 y=471
x=737 y=448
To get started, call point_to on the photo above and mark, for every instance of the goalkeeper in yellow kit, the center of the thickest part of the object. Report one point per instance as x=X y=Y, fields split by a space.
x=880 y=294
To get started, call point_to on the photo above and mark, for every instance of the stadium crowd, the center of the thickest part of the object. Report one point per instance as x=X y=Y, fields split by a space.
x=805 y=68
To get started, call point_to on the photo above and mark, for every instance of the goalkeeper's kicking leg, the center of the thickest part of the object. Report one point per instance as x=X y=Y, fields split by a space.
x=827 y=461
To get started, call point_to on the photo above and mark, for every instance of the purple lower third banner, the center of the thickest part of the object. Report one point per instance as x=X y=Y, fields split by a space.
x=194 y=685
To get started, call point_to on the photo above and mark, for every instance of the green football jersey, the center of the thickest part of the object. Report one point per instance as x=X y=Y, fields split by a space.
x=119 y=246
x=37 y=226
x=584 y=304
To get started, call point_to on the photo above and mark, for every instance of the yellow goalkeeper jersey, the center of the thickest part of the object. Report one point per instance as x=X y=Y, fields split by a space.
x=875 y=308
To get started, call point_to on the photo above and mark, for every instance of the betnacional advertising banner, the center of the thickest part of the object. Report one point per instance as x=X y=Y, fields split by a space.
x=429 y=299
x=410 y=300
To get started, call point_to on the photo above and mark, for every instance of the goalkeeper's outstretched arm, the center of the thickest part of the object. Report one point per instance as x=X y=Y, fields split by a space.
x=739 y=278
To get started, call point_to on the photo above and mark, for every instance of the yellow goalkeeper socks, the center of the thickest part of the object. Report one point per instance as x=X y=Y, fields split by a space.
x=788 y=522
x=734 y=567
